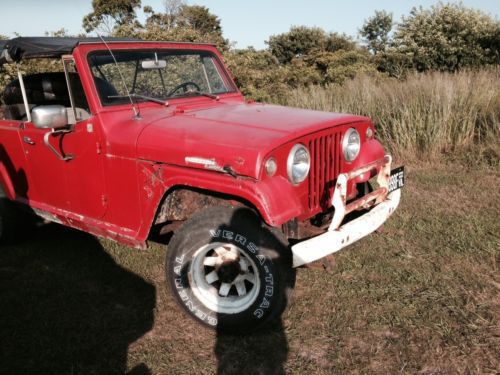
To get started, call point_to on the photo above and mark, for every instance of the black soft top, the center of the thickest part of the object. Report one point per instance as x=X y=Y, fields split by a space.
x=21 y=48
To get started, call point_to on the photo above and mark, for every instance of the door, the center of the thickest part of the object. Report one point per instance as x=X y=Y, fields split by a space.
x=66 y=166
x=45 y=172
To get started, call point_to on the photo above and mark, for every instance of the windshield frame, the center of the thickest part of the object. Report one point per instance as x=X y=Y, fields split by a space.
x=218 y=64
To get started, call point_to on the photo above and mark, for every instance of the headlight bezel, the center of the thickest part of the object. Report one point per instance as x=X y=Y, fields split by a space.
x=291 y=162
x=349 y=157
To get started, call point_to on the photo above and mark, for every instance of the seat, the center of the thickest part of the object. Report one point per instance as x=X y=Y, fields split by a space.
x=42 y=89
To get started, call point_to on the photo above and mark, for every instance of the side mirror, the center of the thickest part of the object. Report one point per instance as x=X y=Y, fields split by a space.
x=49 y=117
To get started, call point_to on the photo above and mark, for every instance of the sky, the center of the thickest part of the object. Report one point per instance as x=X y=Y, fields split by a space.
x=246 y=23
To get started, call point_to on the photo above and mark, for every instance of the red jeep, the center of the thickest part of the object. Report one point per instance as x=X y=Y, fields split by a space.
x=121 y=137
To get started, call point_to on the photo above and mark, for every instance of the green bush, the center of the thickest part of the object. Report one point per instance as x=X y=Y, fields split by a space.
x=299 y=41
x=448 y=37
x=257 y=73
x=337 y=67
x=302 y=41
x=393 y=63
x=260 y=76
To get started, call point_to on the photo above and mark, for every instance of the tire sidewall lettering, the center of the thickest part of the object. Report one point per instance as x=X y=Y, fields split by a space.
x=184 y=294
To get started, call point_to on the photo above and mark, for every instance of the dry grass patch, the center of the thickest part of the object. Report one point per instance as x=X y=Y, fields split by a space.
x=423 y=116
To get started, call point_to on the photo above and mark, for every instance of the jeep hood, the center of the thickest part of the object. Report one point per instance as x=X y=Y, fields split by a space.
x=239 y=135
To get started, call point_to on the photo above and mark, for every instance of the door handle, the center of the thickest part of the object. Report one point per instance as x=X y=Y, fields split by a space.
x=28 y=140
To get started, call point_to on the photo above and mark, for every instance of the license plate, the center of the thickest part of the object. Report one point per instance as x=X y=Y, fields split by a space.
x=397 y=179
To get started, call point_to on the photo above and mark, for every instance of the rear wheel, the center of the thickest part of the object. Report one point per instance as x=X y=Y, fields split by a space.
x=230 y=271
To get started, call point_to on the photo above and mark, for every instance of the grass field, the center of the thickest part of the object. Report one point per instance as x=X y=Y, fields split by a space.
x=421 y=297
x=424 y=115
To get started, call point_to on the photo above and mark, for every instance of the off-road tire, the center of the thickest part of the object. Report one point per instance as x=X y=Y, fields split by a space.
x=258 y=253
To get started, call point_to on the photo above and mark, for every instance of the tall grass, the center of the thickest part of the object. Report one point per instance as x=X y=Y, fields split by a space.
x=421 y=117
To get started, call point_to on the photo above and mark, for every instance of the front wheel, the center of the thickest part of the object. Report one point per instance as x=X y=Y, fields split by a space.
x=230 y=271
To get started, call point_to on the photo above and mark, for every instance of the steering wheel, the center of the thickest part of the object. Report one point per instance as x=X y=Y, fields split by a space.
x=184 y=87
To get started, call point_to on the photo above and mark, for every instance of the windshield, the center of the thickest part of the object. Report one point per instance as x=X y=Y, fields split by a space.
x=158 y=74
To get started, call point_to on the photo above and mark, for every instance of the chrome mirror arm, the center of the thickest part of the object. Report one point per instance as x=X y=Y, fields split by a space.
x=46 y=141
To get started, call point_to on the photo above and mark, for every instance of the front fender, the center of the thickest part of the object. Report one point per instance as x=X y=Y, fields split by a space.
x=273 y=198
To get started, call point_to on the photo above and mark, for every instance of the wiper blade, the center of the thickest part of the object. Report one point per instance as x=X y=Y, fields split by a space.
x=197 y=92
x=207 y=94
x=148 y=98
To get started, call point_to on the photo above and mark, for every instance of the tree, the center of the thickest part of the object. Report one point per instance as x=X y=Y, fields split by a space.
x=200 y=19
x=172 y=10
x=168 y=19
x=300 y=40
x=183 y=23
x=179 y=15
x=107 y=15
x=448 y=37
x=375 y=31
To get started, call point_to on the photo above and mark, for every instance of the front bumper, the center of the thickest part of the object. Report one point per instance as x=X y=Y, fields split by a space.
x=337 y=237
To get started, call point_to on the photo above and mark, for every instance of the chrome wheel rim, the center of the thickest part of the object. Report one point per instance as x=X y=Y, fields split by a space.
x=224 y=278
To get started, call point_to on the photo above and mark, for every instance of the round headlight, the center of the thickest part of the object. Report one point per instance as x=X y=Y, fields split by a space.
x=351 y=144
x=271 y=167
x=298 y=164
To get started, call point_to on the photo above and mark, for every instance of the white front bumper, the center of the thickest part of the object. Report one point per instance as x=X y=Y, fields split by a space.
x=336 y=238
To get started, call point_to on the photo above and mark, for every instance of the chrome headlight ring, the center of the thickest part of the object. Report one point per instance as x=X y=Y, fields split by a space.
x=351 y=145
x=298 y=164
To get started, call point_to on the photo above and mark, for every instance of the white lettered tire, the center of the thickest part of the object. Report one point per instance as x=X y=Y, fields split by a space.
x=229 y=271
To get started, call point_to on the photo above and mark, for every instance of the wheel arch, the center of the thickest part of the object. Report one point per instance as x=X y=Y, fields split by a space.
x=272 y=198
x=181 y=202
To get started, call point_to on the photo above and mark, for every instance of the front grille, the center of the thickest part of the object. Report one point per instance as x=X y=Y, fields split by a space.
x=325 y=163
